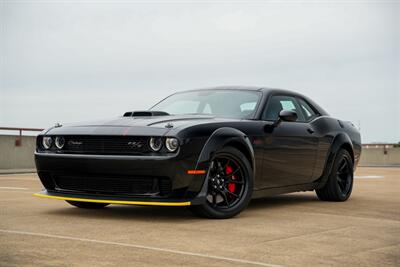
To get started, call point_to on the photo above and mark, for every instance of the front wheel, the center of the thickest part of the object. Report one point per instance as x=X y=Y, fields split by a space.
x=340 y=180
x=87 y=205
x=230 y=185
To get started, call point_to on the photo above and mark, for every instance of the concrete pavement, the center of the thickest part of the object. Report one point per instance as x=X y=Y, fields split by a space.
x=288 y=230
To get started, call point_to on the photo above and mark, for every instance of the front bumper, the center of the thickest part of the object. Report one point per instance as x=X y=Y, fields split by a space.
x=185 y=189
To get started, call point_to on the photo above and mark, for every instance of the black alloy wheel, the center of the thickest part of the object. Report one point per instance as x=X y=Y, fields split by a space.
x=344 y=176
x=340 y=181
x=230 y=185
x=225 y=183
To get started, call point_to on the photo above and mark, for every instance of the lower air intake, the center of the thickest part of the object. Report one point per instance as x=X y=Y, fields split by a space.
x=114 y=185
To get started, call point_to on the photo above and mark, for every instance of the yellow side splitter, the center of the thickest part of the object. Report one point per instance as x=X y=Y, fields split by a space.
x=123 y=202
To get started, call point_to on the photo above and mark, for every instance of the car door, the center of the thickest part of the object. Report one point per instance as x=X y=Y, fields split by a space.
x=290 y=148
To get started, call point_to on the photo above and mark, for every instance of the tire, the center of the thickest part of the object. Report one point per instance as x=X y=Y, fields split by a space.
x=230 y=185
x=340 y=181
x=87 y=205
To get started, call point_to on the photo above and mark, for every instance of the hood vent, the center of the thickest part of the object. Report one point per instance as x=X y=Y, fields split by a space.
x=145 y=113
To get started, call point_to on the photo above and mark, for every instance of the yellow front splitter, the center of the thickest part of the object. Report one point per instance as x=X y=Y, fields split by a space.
x=109 y=201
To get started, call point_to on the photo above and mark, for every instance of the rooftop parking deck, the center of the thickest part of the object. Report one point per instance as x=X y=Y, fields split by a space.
x=288 y=230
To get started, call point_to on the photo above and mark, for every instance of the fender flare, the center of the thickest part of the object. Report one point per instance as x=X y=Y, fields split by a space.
x=340 y=140
x=218 y=139
x=226 y=136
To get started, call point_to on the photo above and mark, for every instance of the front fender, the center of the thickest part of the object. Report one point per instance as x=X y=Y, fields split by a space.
x=222 y=137
x=218 y=139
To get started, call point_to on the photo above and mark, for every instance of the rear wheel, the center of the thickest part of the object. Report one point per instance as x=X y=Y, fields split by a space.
x=87 y=205
x=340 y=182
x=230 y=185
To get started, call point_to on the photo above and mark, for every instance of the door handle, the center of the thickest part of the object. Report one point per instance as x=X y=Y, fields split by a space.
x=309 y=130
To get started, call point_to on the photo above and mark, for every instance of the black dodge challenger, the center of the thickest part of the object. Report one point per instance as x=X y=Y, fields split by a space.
x=210 y=149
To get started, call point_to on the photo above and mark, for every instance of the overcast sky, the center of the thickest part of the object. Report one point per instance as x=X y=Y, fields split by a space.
x=70 y=61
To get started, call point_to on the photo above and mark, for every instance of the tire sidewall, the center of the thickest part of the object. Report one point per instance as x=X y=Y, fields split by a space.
x=248 y=190
x=343 y=154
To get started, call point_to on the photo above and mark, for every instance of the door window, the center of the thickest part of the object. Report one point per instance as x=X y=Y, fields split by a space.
x=278 y=103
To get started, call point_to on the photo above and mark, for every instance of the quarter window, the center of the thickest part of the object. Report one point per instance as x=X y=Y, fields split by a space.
x=307 y=110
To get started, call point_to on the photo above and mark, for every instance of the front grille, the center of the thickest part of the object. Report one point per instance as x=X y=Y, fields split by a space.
x=115 y=145
x=165 y=186
x=114 y=185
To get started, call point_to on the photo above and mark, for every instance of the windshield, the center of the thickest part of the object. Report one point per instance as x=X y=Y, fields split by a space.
x=223 y=103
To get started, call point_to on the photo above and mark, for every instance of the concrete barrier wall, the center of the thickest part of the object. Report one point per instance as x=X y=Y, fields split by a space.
x=17 y=157
x=378 y=157
x=21 y=157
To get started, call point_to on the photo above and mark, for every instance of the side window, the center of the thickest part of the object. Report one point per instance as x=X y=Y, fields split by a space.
x=278 y=103
x=307 y=110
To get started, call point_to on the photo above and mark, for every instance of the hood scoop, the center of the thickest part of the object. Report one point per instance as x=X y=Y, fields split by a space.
x=145 y=113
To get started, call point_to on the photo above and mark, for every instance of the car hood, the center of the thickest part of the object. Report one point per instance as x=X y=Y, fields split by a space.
x=141 y=126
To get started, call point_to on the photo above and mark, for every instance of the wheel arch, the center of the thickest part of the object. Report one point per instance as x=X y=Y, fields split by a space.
x=244 y=149
x=349 y=149
x=340 y=141
x=220 y=138
x=223 y=137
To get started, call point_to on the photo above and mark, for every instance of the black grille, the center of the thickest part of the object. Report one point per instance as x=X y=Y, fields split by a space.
x=114 y=185
x=106 y=145
x=165 y=186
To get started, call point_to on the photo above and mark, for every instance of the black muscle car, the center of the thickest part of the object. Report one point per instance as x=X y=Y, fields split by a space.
x=210 y=149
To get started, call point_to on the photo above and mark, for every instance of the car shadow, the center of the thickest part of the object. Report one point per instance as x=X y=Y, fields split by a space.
x=169 y=214
x=281 y=201
x=126 y=212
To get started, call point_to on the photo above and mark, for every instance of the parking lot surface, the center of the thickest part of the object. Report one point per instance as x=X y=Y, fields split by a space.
x=288 y=230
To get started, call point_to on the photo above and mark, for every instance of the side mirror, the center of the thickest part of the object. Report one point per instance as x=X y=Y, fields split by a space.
x=284 y=115
x=288 y=115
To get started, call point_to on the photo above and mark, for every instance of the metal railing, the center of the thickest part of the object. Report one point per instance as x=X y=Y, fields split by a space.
x=18 y=140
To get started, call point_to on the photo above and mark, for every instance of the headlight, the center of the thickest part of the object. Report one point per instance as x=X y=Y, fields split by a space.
x=60 y=142
x=47 y=141
x=155 y=143
x=172 y=144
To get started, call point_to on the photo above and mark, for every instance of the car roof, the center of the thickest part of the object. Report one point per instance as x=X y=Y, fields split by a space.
x=237 y=87
x=241 y=87
x=248 y=88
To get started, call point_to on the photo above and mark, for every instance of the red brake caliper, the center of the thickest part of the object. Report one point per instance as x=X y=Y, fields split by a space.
x=231 y=186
